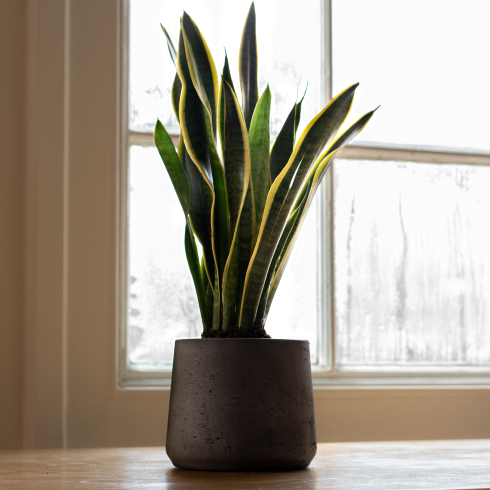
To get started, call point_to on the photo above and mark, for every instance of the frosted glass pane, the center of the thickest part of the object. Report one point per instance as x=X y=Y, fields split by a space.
x=287 y=62
x=162 y=301
x=425 y=62
x=412 y=263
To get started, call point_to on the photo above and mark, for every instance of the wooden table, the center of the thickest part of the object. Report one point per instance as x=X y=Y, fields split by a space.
x=378 y=465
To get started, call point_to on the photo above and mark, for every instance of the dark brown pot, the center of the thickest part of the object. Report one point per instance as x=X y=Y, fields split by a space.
x=241 y=405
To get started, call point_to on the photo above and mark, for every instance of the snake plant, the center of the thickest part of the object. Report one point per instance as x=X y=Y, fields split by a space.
x=243 y=200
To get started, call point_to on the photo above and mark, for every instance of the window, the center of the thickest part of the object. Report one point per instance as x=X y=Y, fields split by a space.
x=389 y=277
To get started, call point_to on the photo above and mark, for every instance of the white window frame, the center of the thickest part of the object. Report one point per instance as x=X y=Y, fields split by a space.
x=325 y=374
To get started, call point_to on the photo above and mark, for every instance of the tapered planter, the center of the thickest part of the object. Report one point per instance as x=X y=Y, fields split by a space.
x=241 y=405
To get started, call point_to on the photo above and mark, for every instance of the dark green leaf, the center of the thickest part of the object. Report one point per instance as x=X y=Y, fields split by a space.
x=201 y=202
x=305 y=199
x=209 y=305
x=221 y=115
x=205 y=65
x=177 y=85
x=281 y=248
x=176 y=91
x=233 y=142
x=227 y=74
x=284 y=143
x=173 y=165
x=237 y=166
x=259 y=139
x=171 y=47
x=195 y=268
x=191 y=111
x=221 y=222
x=319 y=132
x=248 y=67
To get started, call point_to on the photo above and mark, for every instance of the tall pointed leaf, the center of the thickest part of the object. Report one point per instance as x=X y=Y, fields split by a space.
x=170 y=44
x=237 y=159
x=200 y=209
x=209 y=304
x=247 y=238
x=347 y=136
x=286 y=236
x=305 y=199
x=284 y=143
x=191 y=112
x=259 y=139
x=176 y=91
x=205 y=65
x=222 y=224
x=221 y=113
x=233 y=152
x=174 y=166
x=319 y=132
x=227 y=73
x=195 y=268
x=247 y=66
x=177 y=85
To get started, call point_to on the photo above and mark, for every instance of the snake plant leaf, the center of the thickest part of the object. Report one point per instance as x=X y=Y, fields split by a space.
x=284 y=143
x=170 y=44
x=200 y=209
x=221 y=222
x=177 y=84
x=221 y=103
x=305 y=199
x=195 y=268
x=173 y=165
x=259 y=139
x=248 y=237
x=198 y=165
x=281 y=248
x=217 y=310
x=191 y=113
x=238 y=168
x=247 y=67
x=298 y=111
x=227 y=73
x=319 y=133
x=347 y=136
x=205 y=65
x=233 y=148
x=209 y=305
x=176 y=91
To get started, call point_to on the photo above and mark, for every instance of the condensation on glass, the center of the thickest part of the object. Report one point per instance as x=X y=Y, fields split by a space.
x=425 y=62
x=412 y=264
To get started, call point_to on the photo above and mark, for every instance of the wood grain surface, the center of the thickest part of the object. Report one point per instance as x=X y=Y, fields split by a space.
x=378 y=465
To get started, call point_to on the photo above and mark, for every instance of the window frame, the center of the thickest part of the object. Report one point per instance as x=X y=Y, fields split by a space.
x=326 y=375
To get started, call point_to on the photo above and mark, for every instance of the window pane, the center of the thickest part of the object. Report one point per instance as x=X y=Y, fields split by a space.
x=425 y=62
x=412 y=263
x=294 y=311
x=163 y=303
x=288 y=43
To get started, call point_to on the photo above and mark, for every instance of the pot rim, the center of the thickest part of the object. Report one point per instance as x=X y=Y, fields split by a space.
x=242 y=339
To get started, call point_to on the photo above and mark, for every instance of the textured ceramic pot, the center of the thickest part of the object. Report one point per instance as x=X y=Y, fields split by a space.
x=241 y=405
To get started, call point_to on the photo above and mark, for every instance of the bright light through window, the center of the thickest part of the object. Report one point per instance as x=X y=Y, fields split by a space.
x=425 y=62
